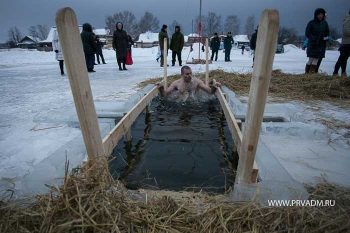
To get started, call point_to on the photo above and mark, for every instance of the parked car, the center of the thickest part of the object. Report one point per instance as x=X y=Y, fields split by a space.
x=280 y=48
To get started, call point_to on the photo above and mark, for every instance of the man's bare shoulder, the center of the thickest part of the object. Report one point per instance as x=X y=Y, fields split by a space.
x=197 y=81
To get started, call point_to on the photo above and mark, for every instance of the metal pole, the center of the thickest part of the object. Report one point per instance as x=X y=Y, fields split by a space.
x=200 y=29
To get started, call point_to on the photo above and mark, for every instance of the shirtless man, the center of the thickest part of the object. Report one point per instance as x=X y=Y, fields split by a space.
x=187 y=86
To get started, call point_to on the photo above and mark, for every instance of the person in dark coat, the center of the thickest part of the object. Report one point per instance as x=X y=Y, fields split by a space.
x=130 y=43
x=344 y=48
x=99 y=53
x=161 y=36
x=228 y=41
x=176 y=45
x=89 y=46
x=252 y=42
x=243 y=48
x=120 y=45
x=215 y=46
x=317 y=32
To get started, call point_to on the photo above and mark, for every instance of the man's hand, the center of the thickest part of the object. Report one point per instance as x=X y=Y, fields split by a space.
x=56 y=51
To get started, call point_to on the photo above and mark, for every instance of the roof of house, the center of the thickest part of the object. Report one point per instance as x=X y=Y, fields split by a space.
x=51 y=34
x=101 y=31
x=148 y=37
x=29 y=40
x=241 y=38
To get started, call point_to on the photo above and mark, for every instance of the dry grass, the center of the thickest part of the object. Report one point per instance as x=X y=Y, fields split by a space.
x=288 y=86
x=93 y=202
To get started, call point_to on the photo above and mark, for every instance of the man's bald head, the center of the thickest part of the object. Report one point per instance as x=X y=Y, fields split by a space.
x=185 y=68
x=186 y=73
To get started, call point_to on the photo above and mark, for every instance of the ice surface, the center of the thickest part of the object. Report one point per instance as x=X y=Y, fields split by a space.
x=38 y=121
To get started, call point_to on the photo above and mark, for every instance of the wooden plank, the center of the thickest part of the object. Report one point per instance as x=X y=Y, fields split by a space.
x=264 y=55
x=74 y=58
x=112 y=139
x=206 y=62
x=234 y=129
x=165 y=64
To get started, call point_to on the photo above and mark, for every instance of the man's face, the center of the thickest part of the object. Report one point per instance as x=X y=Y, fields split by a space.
x=320 y=16
x=119 y=26
x=187 y=74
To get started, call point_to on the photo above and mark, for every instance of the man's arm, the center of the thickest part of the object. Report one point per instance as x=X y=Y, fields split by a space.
x=209 y=90
x=165 y=92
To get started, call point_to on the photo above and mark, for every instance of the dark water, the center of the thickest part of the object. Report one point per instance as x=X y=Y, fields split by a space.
x=178 y=146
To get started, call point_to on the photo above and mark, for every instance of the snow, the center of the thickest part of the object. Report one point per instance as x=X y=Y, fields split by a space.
x=101 y=31
x=193 y=35
x=148 y=37
x=39 y=126
x=241 y=38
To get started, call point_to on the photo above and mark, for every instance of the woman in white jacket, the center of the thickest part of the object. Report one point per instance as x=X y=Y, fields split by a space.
x=58 y=50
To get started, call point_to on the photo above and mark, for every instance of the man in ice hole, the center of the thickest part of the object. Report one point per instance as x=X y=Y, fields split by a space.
x=187 y=86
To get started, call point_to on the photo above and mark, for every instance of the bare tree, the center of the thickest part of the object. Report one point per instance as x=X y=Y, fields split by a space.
x=127 y=18
x=232 y=24
x=249 y=25
x=43 y=31
x=14 y=34
x=173 y=25
x=213 y=24
x=201 y=27
x=39 y=31
x=32 y=31
x=148 y=22
x=287 y=36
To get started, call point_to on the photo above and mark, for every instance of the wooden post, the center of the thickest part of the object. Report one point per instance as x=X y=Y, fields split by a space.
x=74 y=58
x=127 y=135
x=165 y=65
x=265 y=52
x=206 y=62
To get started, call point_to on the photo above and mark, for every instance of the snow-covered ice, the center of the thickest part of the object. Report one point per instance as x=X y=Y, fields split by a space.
x=39 y=126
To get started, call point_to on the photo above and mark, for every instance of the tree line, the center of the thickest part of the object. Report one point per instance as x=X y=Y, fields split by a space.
x=39 y=31
x=148 y=22
x=211 y=23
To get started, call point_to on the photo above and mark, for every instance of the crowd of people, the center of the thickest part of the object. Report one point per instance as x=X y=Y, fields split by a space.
x=316 y=33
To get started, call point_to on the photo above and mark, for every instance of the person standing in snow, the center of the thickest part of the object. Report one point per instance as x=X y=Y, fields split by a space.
x=215 y=46
x=89 y=46
x=252 y=43
x=243 y=48
x=344 y=48
x=99 y=51
x=317 y=32
x=176 y=45
x=228 y=41
x=161 y=36
x=120 y=45
x=58 y=51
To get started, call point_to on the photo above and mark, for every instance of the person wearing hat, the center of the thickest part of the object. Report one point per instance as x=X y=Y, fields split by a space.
x=120 y=45
x=176 y=45
x=89 y=46
x=317 y=32
x=344 y=48
x=228 y=41
x=161 y=36
x=215 y=46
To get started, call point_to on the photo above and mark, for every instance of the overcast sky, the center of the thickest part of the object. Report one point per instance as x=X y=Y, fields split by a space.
x=293 y=13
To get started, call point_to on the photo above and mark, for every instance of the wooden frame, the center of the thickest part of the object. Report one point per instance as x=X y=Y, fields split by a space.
x=123 y=126
x=235 y=130
x=264 y=55
x=246 y=145
x=74 y=58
